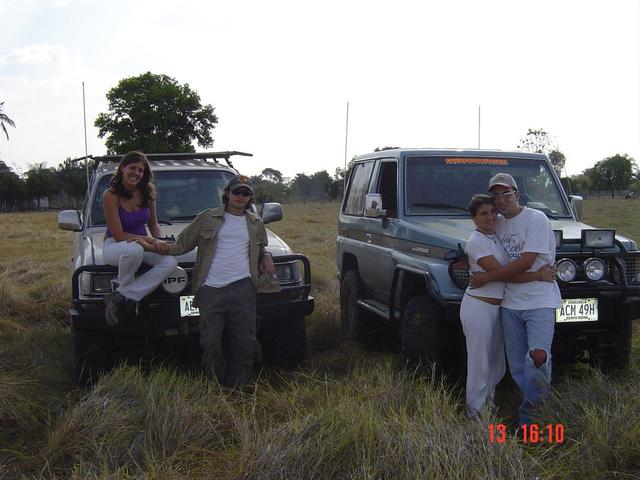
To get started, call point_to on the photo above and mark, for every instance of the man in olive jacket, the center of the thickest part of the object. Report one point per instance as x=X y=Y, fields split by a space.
x=231 y=266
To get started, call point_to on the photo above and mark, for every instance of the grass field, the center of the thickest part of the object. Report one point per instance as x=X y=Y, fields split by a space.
x=348 y=413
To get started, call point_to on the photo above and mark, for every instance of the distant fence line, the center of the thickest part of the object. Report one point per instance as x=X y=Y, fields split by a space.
x=606 y=194
x=64 y=202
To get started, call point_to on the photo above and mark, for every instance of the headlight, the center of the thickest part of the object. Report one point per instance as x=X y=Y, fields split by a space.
x=84 y=283
x=566 y=270
x=598 y=238
x=288 y=272
x=284 y=272
x=95 y=283
x=594 y=268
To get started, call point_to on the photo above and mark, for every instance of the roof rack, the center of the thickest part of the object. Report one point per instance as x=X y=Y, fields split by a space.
x=169 y=156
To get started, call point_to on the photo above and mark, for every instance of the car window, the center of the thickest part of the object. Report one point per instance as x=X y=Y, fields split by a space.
x=444 y=185
x=182 y=194
x=358 y=188
x=388 y=187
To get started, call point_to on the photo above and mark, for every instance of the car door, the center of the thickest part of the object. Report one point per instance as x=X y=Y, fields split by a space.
x=380 y=232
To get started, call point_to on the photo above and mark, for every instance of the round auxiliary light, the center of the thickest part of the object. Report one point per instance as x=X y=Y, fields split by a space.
x=566 y=270
x=594 y=269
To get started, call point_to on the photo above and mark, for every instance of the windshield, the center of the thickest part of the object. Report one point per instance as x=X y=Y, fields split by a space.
x=444 y=185
x=182 y=194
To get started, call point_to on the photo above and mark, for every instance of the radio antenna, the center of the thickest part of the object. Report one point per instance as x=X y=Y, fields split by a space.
x=86 y=152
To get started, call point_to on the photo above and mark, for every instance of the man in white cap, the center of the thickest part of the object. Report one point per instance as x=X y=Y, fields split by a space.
x=528 y=309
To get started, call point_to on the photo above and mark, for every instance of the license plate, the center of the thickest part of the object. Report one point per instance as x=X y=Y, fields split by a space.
x=578 y=310
x=186 y=307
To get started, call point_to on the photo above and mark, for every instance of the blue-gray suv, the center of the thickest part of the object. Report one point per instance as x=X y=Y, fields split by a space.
x=404 y=222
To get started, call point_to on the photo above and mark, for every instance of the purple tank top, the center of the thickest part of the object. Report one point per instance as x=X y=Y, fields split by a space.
x=132 y=222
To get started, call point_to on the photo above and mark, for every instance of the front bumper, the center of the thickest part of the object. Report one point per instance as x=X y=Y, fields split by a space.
x=159 y=313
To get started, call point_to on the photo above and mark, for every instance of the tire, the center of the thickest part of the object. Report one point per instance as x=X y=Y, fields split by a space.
x=421 y=342
x=91 y=356
x=356 y=322
x=284 y=342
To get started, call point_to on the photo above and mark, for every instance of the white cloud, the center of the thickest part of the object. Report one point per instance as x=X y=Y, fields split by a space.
x=36 y=55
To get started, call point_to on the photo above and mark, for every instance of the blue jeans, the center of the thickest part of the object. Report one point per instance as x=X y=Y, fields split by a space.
x=524 y=331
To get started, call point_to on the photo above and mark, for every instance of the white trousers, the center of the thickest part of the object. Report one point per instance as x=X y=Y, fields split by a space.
x=485 y=351
x=128 y=256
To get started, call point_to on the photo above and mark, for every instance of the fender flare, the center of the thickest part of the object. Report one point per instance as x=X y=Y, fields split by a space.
x=399 y=272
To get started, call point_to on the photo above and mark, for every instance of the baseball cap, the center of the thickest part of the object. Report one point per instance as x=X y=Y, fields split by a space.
x=240 y=181
x=503 y=179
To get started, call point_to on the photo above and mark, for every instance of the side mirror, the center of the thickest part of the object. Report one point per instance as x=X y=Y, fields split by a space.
x=576 y=204
x=373 y=206
x=271 y=212
x=70 y=220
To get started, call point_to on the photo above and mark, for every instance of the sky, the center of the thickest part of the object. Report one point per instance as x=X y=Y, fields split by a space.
x=280 y=74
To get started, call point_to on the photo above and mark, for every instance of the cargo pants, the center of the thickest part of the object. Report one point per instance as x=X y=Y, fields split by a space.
x=228 y=331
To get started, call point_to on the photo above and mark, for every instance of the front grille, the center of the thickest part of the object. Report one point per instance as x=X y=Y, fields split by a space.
x=632 y=269
x=460 y=276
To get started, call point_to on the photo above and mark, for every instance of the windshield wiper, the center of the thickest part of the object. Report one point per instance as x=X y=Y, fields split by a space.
x=183 y=217
x=163 y=221
x=440 y=205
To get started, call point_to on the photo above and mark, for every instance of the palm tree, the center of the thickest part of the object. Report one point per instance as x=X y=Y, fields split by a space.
x=4 y=119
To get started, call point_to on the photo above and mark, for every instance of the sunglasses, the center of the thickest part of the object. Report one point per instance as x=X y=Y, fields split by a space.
x=495 y=196
x=241 y=192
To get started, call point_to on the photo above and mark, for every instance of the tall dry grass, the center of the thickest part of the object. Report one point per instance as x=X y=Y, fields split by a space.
x=348 y=413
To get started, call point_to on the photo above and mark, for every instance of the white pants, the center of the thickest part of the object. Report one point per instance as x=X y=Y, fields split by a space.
x=485 y=351
x=128 y=256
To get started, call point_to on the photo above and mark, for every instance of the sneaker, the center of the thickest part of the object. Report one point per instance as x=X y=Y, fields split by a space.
x=113 y=302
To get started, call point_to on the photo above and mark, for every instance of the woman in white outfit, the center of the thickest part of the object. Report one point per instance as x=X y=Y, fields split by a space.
x=480 y=308
x=129 y=204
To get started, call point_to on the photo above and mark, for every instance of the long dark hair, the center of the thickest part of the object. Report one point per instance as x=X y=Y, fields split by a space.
x=145 y=186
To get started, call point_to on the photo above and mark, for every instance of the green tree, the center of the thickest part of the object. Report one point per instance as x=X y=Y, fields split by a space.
x=337 y=187
x=382 y=149
x=558 y=160
x=272 y=175
x=580 y=183
x=41 y=182
x=322 y=184
x=613 y=173
x=154 y=113
x=72 y=178
x=12 y=188
x=537 y=141
x=268 y=186
x=5 y=120
x=302 y=185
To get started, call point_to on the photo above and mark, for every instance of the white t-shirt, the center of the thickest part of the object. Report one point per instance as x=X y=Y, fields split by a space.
x=529 y=231
x=479 y=246
x=231 y=258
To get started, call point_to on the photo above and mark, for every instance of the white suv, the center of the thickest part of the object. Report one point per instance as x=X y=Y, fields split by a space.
x=187 y=183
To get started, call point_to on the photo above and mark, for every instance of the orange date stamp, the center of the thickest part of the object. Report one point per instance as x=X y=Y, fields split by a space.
x=533 y=434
